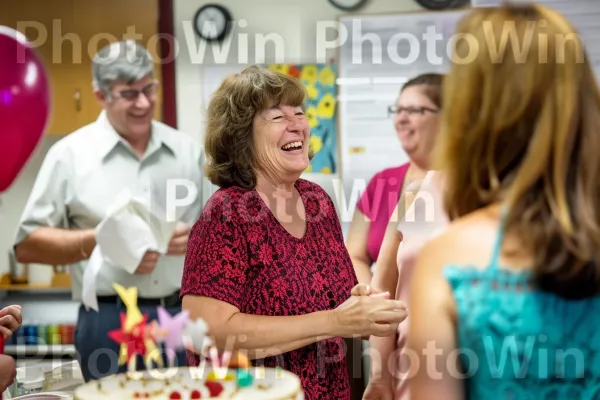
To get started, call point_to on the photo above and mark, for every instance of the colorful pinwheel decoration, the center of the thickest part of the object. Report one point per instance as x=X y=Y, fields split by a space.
x=131 y=341
x=138 y=337
x=134 y=336
x=170 y=332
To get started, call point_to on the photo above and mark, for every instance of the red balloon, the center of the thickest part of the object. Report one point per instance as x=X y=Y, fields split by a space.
x=24 y=103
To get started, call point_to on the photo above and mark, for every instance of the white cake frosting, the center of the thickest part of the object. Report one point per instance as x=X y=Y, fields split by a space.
x=193 y=383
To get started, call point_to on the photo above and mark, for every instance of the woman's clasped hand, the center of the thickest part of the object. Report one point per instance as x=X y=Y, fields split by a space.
x=368 y=313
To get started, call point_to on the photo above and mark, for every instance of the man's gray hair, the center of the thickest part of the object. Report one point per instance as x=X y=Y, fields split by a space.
x=125 y=61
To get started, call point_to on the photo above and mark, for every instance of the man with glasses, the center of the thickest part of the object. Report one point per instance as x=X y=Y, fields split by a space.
x=80 y=179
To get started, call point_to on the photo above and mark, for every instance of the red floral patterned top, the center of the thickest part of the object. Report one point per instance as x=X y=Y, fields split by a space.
x=239 y=253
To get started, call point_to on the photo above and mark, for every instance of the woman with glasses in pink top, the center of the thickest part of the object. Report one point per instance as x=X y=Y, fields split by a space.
x=415 y=121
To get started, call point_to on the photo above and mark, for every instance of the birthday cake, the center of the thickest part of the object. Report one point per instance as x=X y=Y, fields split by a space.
x=265 y=384
x=220 y=374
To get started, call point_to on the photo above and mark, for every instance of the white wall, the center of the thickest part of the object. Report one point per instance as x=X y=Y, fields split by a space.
x=295 y=22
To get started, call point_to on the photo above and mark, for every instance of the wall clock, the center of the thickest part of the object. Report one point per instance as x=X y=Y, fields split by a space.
x=348 y=5
x=439 y=4
x=212 y=22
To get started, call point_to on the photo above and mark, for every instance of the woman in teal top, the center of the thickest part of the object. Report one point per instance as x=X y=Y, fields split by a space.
x=505 y=303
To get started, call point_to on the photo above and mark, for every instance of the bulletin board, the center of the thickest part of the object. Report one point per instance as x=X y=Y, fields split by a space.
x=321 y=111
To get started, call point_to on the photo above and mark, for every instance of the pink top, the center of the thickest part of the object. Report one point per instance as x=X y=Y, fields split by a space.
x=424 y=220
x=378 y=203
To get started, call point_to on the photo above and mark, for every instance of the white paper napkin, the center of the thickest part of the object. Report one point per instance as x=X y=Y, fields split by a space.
x=129 y=230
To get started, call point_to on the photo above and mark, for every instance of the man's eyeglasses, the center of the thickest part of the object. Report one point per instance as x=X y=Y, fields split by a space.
x=132 y=94
x=410 y=110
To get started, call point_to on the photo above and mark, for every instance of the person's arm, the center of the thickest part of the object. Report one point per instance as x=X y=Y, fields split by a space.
x=357 y=247
x=432 y=334
x=358 y=234
x=385 y=279
x=42 y=236
x=266 y=336
x=55 y=246
x=8 y=372
x=260 y=336
x=215 y=288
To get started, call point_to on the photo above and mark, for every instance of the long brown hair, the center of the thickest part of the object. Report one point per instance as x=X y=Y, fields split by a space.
x=524 y=129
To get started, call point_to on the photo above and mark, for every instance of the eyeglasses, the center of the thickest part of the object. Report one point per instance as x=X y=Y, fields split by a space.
x=132 y=94
x=410 y=110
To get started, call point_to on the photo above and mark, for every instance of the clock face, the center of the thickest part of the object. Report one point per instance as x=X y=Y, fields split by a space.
x=212 y=22
x=348 y=5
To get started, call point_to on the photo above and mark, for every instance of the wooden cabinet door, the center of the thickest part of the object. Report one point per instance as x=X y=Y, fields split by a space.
x=67 y=34
x=49 y=26
x=100 y=22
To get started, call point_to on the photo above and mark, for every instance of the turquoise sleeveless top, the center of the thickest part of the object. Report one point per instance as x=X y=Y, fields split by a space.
x=517 y=342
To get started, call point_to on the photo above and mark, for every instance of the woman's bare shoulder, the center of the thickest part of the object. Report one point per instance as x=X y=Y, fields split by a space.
x=467 y=240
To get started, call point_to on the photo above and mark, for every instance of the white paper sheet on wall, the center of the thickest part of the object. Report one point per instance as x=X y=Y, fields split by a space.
x=382 y=52
x=213 y=76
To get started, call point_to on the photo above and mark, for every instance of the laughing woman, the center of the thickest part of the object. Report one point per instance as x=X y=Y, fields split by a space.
x=266 y=261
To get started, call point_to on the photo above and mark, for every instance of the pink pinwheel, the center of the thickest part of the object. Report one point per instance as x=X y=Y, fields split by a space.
x=172 y=328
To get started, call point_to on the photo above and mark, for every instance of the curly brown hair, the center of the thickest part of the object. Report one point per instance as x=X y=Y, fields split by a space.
x=229 y=143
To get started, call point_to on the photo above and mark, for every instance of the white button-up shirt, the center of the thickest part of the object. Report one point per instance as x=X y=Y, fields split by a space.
x=82 y=175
